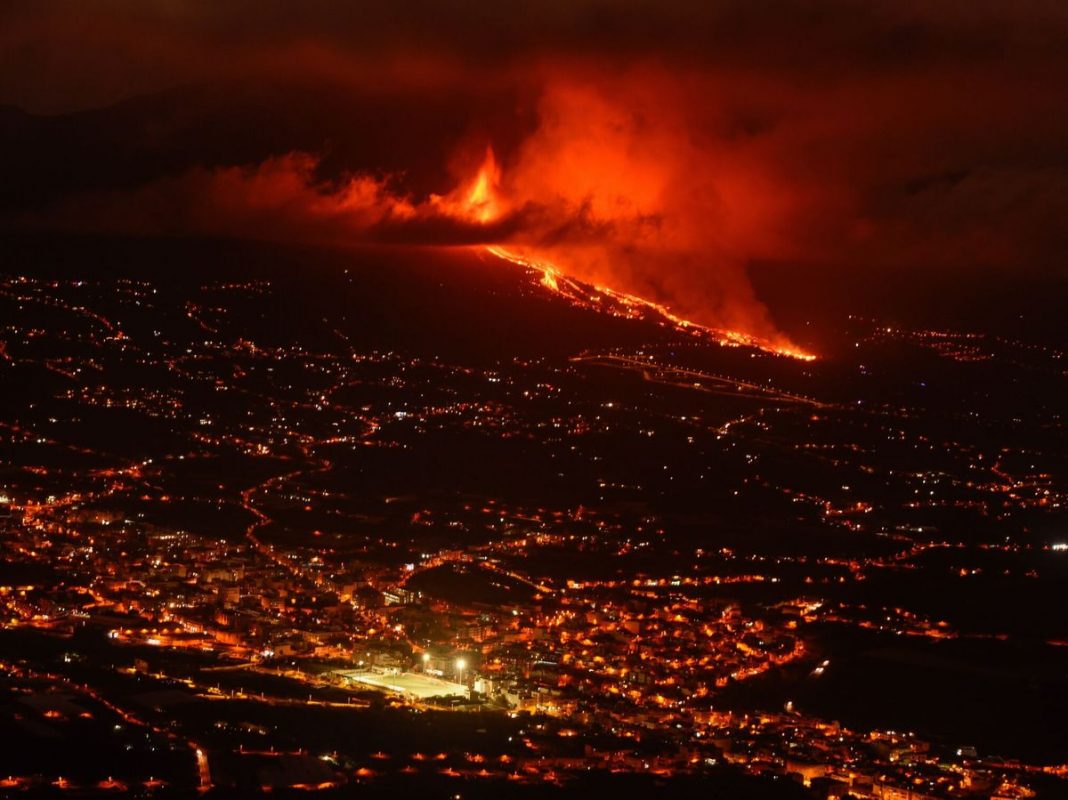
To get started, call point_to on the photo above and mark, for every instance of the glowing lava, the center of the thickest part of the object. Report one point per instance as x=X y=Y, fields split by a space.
x=634 y=307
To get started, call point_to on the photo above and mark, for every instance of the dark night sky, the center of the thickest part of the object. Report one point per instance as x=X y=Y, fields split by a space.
x=680 y=143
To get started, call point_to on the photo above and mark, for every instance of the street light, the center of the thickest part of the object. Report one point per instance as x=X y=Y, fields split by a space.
x=461 y=665
x=426 y=661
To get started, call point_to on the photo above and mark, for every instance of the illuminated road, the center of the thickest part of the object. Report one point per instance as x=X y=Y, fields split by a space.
x=695 y=380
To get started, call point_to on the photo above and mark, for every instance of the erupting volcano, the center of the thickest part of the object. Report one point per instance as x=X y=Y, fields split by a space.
x=480 y=201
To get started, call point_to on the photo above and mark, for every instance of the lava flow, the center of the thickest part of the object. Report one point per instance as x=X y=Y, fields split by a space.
x=482 y=203
x=606 y=299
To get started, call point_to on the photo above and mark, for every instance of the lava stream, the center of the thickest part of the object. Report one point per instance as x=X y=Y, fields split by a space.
x=633 y=306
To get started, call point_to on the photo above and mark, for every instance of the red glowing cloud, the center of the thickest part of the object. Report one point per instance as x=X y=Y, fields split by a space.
x=616 y=187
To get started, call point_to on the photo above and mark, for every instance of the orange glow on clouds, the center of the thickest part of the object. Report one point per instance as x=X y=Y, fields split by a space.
x=614 y=191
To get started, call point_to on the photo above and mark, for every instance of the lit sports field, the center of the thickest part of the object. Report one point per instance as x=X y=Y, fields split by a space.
x=410 y=683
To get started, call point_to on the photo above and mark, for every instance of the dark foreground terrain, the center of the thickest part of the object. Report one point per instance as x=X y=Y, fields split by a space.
x=347 y=522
